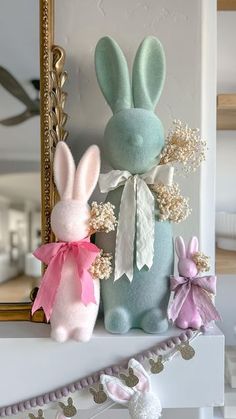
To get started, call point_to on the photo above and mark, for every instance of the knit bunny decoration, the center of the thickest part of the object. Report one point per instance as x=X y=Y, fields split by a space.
x=192 y=305
x=138 y=293
x=68 y=293
x=140 y=400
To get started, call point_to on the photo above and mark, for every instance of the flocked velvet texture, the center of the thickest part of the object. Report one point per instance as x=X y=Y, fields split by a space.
x=143 y=302
x=133 y=140
x=70 y=222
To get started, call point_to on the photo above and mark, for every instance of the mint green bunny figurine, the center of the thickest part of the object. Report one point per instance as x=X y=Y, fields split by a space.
x=137 y=295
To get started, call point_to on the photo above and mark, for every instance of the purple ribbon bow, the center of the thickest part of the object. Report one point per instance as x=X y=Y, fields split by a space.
x=202 y=288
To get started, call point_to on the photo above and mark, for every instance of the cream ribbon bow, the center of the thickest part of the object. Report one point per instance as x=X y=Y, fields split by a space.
x=137 y=207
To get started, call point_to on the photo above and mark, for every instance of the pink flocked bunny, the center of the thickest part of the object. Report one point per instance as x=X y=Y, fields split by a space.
x=68 y=293
x=192 y=306
x=139 y=398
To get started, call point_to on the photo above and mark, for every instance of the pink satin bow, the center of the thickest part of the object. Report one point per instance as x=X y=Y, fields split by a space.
x=201 y=287
x=54 y=255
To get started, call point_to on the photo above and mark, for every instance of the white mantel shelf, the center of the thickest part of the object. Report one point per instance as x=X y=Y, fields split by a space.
x=28 y=355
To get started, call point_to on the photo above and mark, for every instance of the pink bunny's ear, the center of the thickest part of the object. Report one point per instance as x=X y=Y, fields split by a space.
x=180 y=247
x=87 y=174
x=192 y=246
x=64 y=170
x=144 y=383
x=116 y=390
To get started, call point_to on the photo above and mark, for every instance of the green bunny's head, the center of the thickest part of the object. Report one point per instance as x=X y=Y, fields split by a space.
x=134 y=136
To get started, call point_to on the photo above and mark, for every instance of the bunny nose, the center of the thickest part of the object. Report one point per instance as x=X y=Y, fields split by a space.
x=136 y=140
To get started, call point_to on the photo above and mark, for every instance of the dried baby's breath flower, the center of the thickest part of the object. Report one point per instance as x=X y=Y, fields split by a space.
x=202 y=262
x=102 y=217
x=102 y=267
x=185 y=146
x=172 y=205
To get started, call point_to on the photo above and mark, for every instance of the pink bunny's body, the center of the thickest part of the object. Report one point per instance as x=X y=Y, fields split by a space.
x=70 y=318
x=188 y=315
x=74 y=308
x=192 y=306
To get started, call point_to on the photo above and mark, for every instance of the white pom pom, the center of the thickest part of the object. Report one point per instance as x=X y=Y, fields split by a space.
x=145 y=406
x=60 y=415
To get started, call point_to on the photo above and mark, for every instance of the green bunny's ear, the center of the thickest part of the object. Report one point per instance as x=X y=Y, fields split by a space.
x=149 y=72
x=113 y=74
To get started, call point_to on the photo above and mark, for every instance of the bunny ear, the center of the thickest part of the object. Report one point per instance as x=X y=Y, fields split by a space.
x=180 y=247
x=92 y=391
x=192 y=246
x=64 y=170
x=87 y=174
x=113 y=74
x=149 y=72
x=144 y=383
x=116 y=390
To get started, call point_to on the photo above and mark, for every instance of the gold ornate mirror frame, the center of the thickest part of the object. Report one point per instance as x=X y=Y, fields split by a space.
x=53 y=119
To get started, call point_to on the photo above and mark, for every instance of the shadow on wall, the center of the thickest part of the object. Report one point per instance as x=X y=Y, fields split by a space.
x=225 y=302
x=225 y=190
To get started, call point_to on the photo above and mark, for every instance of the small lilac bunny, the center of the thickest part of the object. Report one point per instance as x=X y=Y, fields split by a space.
x=140 y=400
x=192 y=306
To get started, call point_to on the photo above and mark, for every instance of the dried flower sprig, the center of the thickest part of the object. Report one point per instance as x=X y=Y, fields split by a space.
x=102 y=217
x=202 y=261
x=102 y=267
x=184 y=146
x=172 y=205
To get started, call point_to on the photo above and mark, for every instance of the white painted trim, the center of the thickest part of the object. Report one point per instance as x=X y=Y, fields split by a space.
x=208 y=126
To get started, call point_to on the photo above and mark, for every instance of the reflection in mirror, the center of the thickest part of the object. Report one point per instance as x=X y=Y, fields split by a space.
x=20 y=206
x=226 y=147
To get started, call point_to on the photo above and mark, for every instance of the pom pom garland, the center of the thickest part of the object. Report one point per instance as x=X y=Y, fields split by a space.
x=58 y=398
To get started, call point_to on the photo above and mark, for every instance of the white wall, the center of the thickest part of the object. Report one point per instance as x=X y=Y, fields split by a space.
x=225 y=302
x=226 y=140
x=226 y=171
x=226 y=81
x=187 y=29
x=4 y=221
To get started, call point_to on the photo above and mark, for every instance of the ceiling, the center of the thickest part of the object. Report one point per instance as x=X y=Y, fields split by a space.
x=19 y=40
x=19 y=145
x=19 y=47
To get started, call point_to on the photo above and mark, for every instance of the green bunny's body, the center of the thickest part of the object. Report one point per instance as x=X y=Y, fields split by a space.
x=133 y=141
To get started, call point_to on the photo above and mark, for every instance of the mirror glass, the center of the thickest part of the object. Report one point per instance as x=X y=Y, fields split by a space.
x=226 y=147
x=20 y=217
